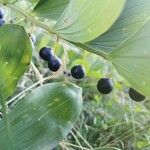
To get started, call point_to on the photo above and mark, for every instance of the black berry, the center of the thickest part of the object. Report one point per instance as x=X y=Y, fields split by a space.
x=54 y=64
x=46 y=53
x=1 y=115
x=33 y=38
x=136 y=96
x=105 y=85
x=1 y=13
x=2 y=22
x=78 y=72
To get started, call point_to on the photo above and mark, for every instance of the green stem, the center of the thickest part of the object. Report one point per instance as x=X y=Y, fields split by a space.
x=100 y=53
x=30 y=18
x=47 y=28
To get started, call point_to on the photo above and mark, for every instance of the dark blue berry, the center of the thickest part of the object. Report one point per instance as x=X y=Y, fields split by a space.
x=136 y=96
x=78 y=72
x=46 y=53
x=105 y=85
x=2 y=22
x=1 y=13
x=54 y=64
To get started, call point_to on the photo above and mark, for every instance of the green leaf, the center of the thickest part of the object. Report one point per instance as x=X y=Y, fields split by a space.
x=85 y=20
x=127 y=43
x=15 y=54
x=51 y=9
x=43 y=118
x=132 y=57
x=131 y=20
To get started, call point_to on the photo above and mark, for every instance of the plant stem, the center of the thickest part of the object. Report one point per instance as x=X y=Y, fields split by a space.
x=30 y=18
x=49 y=29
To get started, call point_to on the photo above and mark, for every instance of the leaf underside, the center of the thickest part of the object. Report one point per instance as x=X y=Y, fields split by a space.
x=128 y=46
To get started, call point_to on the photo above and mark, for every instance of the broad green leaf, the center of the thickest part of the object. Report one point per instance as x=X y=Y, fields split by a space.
x=51 y=9
x=132 y=59
x=131 y=20
x=85 y=20
x=128 y=44
x=43 y=118
x=15 y=54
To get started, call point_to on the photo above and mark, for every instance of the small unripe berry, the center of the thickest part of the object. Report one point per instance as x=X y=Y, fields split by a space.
x=105 y=85
x=55 y=64
x=46 y=53
x=78 y=72
x=136 y=96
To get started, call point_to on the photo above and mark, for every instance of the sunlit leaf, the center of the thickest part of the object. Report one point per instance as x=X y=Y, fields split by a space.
x=85 y=20
x=15 y=54
x=131 y=20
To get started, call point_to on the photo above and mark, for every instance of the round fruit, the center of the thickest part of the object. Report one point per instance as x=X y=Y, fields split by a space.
x=78 y=72
x=46 y=53
x=54 y=64
x=1 y=13
x=2 y=22
x=105 y=85
x=136 y=96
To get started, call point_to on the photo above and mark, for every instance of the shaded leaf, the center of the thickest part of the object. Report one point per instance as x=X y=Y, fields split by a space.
x=41 y=119
x=15 y=54
x=132 y=59
x=127 y=43
x=85 y=20
x=51 y=9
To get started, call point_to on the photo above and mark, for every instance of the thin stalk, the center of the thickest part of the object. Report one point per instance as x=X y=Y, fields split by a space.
x=30 y=18
x=49 y=29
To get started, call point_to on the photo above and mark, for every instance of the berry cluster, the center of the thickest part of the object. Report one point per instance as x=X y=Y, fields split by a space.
x=54 y=63
x=2 y=22
x=104 y=85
